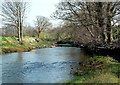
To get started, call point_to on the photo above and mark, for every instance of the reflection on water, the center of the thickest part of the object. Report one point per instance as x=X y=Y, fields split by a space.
x=48 y=65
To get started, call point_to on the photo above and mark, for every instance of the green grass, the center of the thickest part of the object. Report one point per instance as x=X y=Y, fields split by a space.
x=9 y=38
x=13 y=45
x=43 y=43
x=97 y=70
x=10 y=44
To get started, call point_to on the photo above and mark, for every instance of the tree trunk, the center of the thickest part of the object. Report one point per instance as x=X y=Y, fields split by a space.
x=100 y=20
x=108 y=27
x=18 y=31
x=38 y=34
x=21 y=32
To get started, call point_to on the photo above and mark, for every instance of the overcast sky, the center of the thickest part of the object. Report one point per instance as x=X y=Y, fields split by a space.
x=39 y=8
x=42 y=8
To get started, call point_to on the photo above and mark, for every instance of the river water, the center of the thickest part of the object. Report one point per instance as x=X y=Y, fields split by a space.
x=47 y=65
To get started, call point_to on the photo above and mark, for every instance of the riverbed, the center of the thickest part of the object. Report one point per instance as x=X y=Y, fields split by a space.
x=47 y=65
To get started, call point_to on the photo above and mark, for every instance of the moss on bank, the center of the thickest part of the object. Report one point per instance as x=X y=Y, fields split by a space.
x=98 y=70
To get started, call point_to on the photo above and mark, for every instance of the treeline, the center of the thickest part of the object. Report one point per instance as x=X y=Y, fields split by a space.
x=13 y=20
x=8 y=31
x=93 y=23
x=88 y=23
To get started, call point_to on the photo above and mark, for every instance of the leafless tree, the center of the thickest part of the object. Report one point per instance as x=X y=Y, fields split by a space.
x=13 y=14
x=29 y=31
x=9 y=31
x=42 y=23
x=94 y=17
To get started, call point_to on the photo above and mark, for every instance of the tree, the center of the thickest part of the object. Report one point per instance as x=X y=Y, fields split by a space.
x=116 y=33
x=42 y=23
x=8 y=31
x=29 y=31
x=93 y=17
x=13 y=14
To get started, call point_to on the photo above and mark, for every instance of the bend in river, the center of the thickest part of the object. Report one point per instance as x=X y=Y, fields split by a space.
x=48 y=65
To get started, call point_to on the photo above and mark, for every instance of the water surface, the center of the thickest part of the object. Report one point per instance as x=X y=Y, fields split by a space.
x=48 y=65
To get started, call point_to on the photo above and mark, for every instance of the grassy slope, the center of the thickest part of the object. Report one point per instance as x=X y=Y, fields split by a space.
x=10 y=44
x=98 y=70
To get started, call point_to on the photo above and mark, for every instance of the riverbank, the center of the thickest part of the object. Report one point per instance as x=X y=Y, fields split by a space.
x=95 y=48
x=98 y=69
x=10 y=44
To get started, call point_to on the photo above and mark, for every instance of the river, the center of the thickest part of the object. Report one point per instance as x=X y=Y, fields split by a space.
x=47 y=65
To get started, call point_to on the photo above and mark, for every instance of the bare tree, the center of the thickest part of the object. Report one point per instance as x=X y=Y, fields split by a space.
x=13 y=14
x=29 y=31
x=8 y=31
x=94 y=17
x=42 y=23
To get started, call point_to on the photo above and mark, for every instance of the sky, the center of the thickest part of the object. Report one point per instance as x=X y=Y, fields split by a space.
x=41 y=8
x=0 y=16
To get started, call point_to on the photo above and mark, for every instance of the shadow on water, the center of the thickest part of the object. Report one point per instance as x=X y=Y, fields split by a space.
x=115 y=53
x=48 y=65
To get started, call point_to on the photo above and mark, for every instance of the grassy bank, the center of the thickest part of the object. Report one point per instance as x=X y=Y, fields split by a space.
x=10 y=44
x=98 y=70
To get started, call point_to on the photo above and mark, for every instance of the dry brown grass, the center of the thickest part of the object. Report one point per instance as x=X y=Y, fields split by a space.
x=103 y=78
